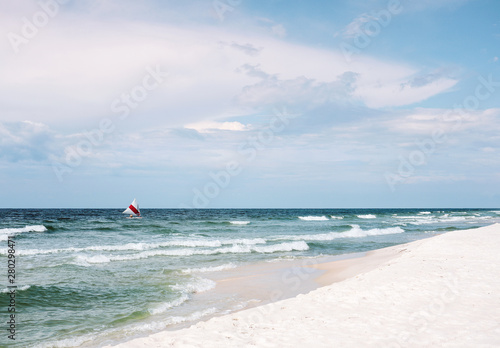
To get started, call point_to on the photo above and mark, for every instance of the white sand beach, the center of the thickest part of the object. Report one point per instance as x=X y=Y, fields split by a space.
x=442 y=291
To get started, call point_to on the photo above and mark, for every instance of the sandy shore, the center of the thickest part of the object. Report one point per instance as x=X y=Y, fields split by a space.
x=438 y=292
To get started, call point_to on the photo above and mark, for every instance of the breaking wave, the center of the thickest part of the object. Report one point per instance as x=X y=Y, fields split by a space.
x=84 y=260
x=209 y=269
x=313 y=218
x=19 y=288
x=354 y=232
x=6 y=232
x=239 y=222
x=146 y=246
x=367 y=216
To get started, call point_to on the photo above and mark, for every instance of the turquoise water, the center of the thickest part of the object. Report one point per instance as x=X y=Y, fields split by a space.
x=88 y=276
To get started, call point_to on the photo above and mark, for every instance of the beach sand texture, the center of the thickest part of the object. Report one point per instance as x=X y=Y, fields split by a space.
x=442 y=291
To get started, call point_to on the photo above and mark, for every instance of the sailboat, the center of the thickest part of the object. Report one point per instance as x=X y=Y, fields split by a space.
x=133 y=210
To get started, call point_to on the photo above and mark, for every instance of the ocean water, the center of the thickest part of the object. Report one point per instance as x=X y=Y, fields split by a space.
x=86 y=276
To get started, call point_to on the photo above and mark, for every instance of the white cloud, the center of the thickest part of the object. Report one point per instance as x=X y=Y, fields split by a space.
x=77 y=66
x=458 y=123
x=26 y=141
x=210 y=126
x=400 y=91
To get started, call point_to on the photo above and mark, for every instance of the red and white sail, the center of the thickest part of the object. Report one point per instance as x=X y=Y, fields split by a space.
x=133 y=209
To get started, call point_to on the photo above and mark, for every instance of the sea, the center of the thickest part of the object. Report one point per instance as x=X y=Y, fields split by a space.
x=89 y=277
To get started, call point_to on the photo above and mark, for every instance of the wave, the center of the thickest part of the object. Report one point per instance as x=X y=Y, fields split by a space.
x=6 y=232
x=313 y=218
x=239 y=222
x=447 y=218
x=354 y=232
x=19 y=288
x=160 y=325
x=367 y=216
x=209 y=269
x=424 y=213
x=166 y=306
x=232 y=222
x=84 y=260
x=428 y=219
x=418 y=219
x=290 y=246
x=87 y=261
x=195 y=286
x=336 y=217
x=415 y=217
x=244 y=241
x=144 y=246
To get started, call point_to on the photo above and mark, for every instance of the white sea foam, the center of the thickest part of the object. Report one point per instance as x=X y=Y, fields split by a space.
x=424 y=213
x=239 y=222
x=234 y=249
x=290 y=246
x=193 y=317
x=196 y=285
x=209 y=269
x=6 y=232
x=84 y=260
x=244 y=241
x=144 y=246
x=354 y=232
x=123 y=247
x=313 y=218
x=418 y=219
x=19 y=288
x=160 y=325
x=336 y=217
x=367 y=216
x=452 y=218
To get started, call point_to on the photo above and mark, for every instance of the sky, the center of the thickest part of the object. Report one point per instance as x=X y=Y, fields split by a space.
x=250 y=104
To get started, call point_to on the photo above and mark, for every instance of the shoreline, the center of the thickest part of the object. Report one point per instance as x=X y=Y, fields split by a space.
x=438 y=291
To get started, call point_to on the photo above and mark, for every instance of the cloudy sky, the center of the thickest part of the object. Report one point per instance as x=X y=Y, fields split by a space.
x=250 y=103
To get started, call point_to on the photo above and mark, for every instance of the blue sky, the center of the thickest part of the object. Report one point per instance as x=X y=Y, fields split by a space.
x=238 y=103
